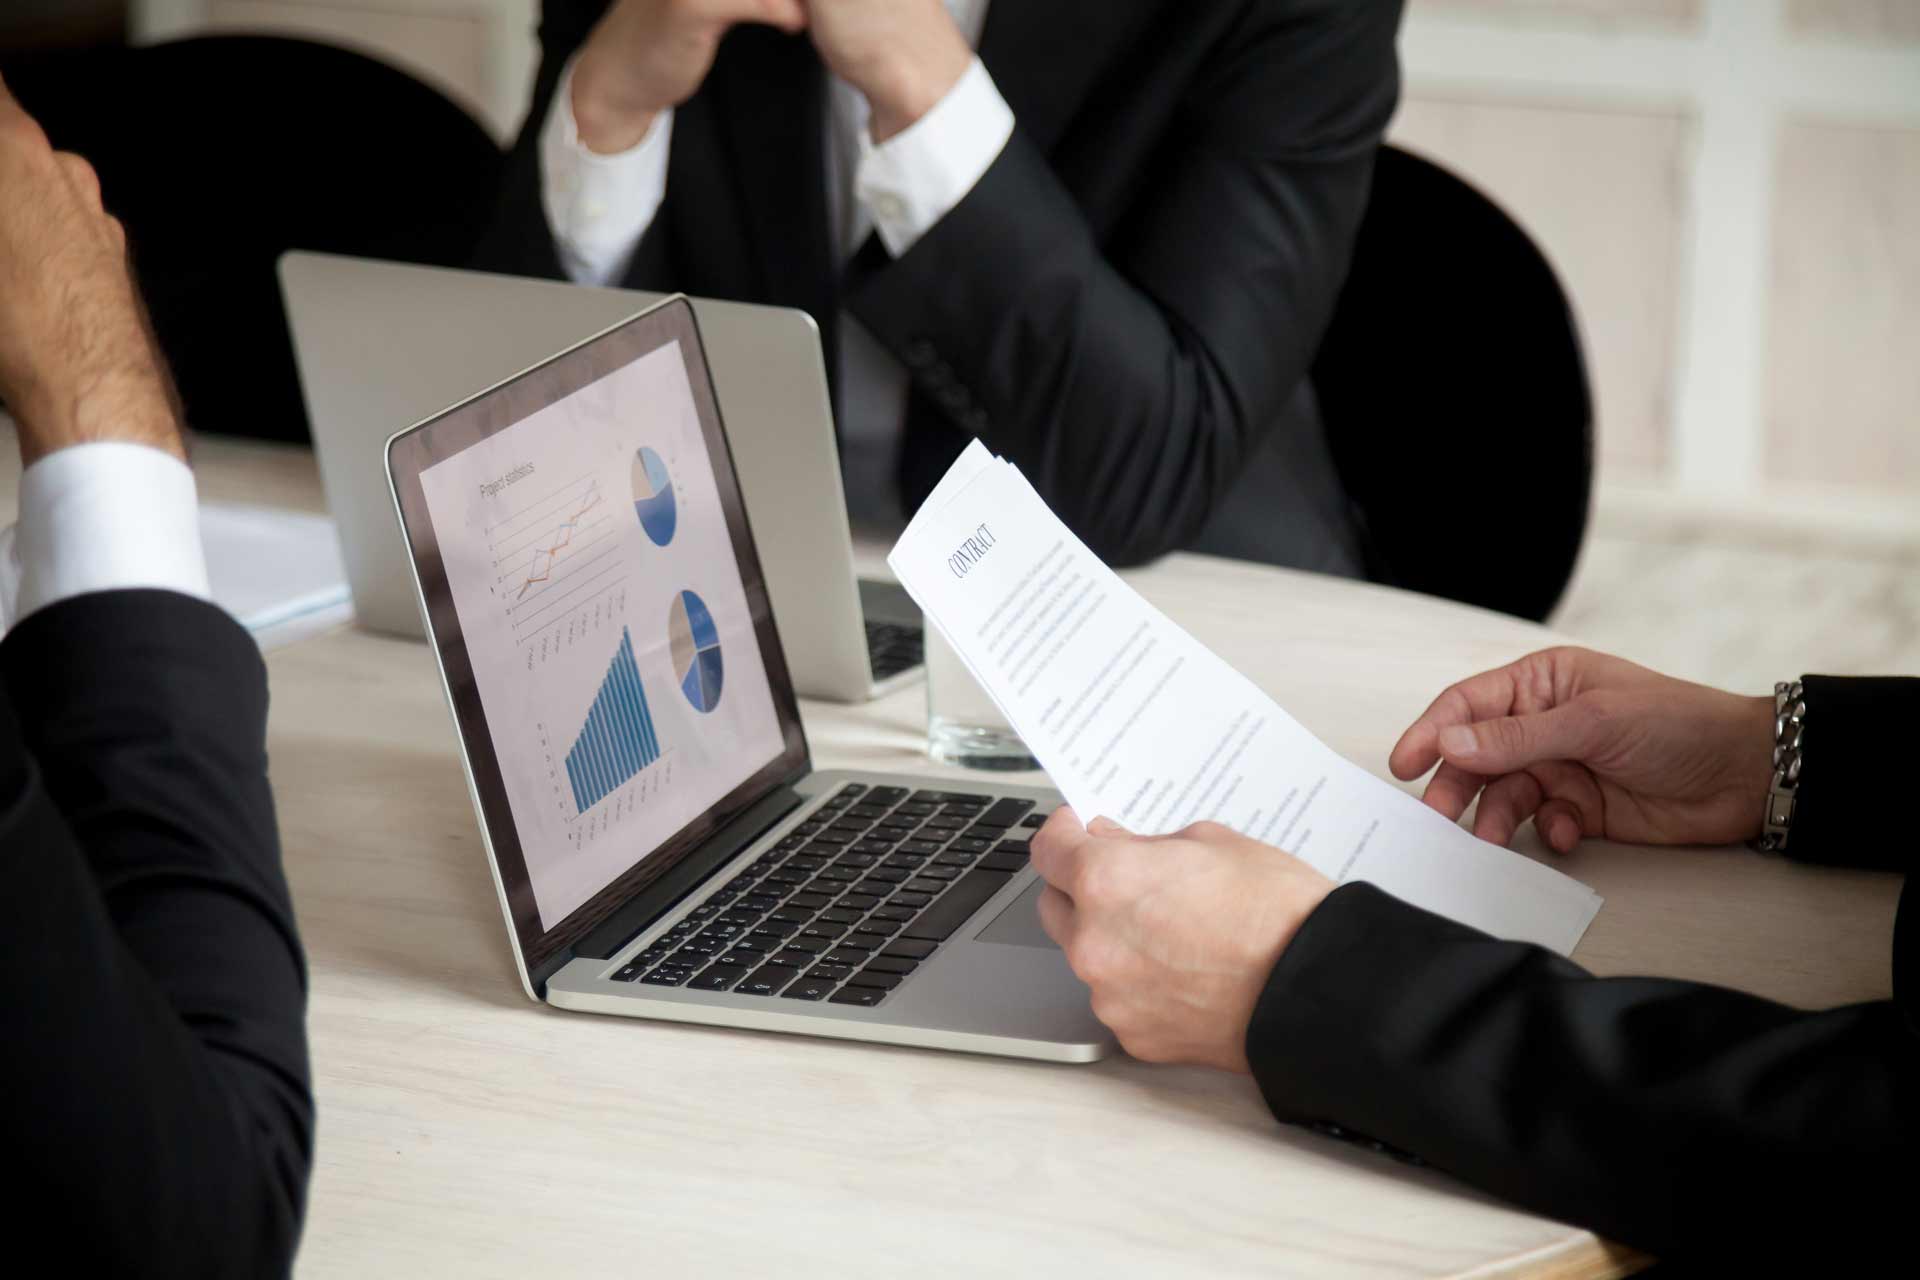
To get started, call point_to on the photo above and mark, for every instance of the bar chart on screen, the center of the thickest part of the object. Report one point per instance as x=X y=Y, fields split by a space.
x=618 y=739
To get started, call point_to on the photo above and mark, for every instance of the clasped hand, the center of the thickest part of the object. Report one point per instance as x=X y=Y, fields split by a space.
x=648 y=55
x=1176 y=936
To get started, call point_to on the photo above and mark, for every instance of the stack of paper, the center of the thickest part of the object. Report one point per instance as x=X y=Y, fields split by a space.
x=1136 y=720
x=278 y=572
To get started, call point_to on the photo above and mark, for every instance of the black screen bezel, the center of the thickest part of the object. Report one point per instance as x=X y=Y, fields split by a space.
x=411 y=452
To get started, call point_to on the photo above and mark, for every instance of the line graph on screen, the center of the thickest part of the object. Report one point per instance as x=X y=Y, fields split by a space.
x=554 y=555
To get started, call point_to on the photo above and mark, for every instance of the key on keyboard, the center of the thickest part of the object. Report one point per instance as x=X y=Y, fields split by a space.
x=892 y=648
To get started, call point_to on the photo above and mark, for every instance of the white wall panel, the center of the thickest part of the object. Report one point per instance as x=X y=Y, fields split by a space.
x=1600 y=192
x=1843 y=367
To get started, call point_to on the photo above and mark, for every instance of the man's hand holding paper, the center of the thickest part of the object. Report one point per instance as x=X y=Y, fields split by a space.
x=1138 y=722
x=1174 y=935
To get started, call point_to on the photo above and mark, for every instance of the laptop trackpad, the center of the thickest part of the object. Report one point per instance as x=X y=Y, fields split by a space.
x=1019 y=924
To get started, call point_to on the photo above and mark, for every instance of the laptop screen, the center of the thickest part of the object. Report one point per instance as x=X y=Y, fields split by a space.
x=601 y=618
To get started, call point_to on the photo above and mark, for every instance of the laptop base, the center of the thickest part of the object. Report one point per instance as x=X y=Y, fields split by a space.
x=994 y=984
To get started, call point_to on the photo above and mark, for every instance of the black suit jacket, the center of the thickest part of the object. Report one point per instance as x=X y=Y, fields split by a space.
x=1126 y=304
x=154 y=1102
x=1683 y=1119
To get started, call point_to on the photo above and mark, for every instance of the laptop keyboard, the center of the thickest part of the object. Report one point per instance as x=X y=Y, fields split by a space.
x=893 y=648
x=851 y=902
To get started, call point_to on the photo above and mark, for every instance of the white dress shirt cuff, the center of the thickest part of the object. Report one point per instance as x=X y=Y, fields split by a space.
x=915 y=178
x=599 y=205
x=101 y=517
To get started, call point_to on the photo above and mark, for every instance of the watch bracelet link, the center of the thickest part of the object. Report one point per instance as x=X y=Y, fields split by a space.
x=1789 y=732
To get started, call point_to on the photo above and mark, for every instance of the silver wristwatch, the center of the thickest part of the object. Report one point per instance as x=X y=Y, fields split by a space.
x=1789 y=729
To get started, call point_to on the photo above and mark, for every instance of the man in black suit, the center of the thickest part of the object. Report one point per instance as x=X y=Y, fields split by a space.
x=154 y=1102
x=1108 y=245
x=1683 y=1119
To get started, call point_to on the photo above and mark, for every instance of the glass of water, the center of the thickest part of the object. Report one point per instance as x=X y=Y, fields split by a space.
x=963 y=725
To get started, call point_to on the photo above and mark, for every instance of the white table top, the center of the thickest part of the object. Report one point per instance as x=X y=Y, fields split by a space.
x=467 y=1131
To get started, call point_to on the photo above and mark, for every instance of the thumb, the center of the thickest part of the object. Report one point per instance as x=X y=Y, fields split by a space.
x=1569 y=732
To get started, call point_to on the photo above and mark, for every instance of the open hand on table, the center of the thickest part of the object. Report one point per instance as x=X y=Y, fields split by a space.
x=1591 y=745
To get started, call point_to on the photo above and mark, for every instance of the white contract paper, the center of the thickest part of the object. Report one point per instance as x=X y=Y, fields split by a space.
x=1137 y=721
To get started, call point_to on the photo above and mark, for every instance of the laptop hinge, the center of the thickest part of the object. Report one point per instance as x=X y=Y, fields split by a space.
x=624 y=925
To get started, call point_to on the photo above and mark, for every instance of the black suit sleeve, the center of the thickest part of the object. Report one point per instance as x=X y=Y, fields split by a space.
x=1853 y=809
x=155 y=1081
x=1680 y=1118
x=1129 y=373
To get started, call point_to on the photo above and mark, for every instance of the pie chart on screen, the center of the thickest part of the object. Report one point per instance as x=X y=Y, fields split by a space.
x=653 y=496
x=694 y=643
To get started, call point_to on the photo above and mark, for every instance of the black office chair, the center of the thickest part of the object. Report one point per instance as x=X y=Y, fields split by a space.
x=219 y=153
x=1455 y=397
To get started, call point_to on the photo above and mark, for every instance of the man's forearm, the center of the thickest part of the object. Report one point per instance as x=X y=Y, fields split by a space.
x=1062 y=363
x=1670 y=1116
x=599 y=206
x=606 y=123
x=148 y=905
x=519 y=240
x=1132 y=359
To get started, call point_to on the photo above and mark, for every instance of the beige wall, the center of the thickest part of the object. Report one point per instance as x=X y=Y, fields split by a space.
x=1672 y=14
x=1607 y=222
x=1897 y=20
x=1843 y=367
x=1731 y=191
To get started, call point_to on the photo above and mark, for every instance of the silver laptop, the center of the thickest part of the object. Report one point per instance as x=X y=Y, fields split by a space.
x=381 y=345
x=661 y=844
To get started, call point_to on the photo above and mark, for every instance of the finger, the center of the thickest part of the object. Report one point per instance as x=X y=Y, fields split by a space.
x=1056 y=848
x=1558 y=823
x=1057 y=916
x=1509 y=743
x=1209 y=832
x=1504 y=805
x=80 y=176
x=1574 y=785
x=1451 y=790
x=1491 y=693
x=789 y=15
x=1536 y=682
